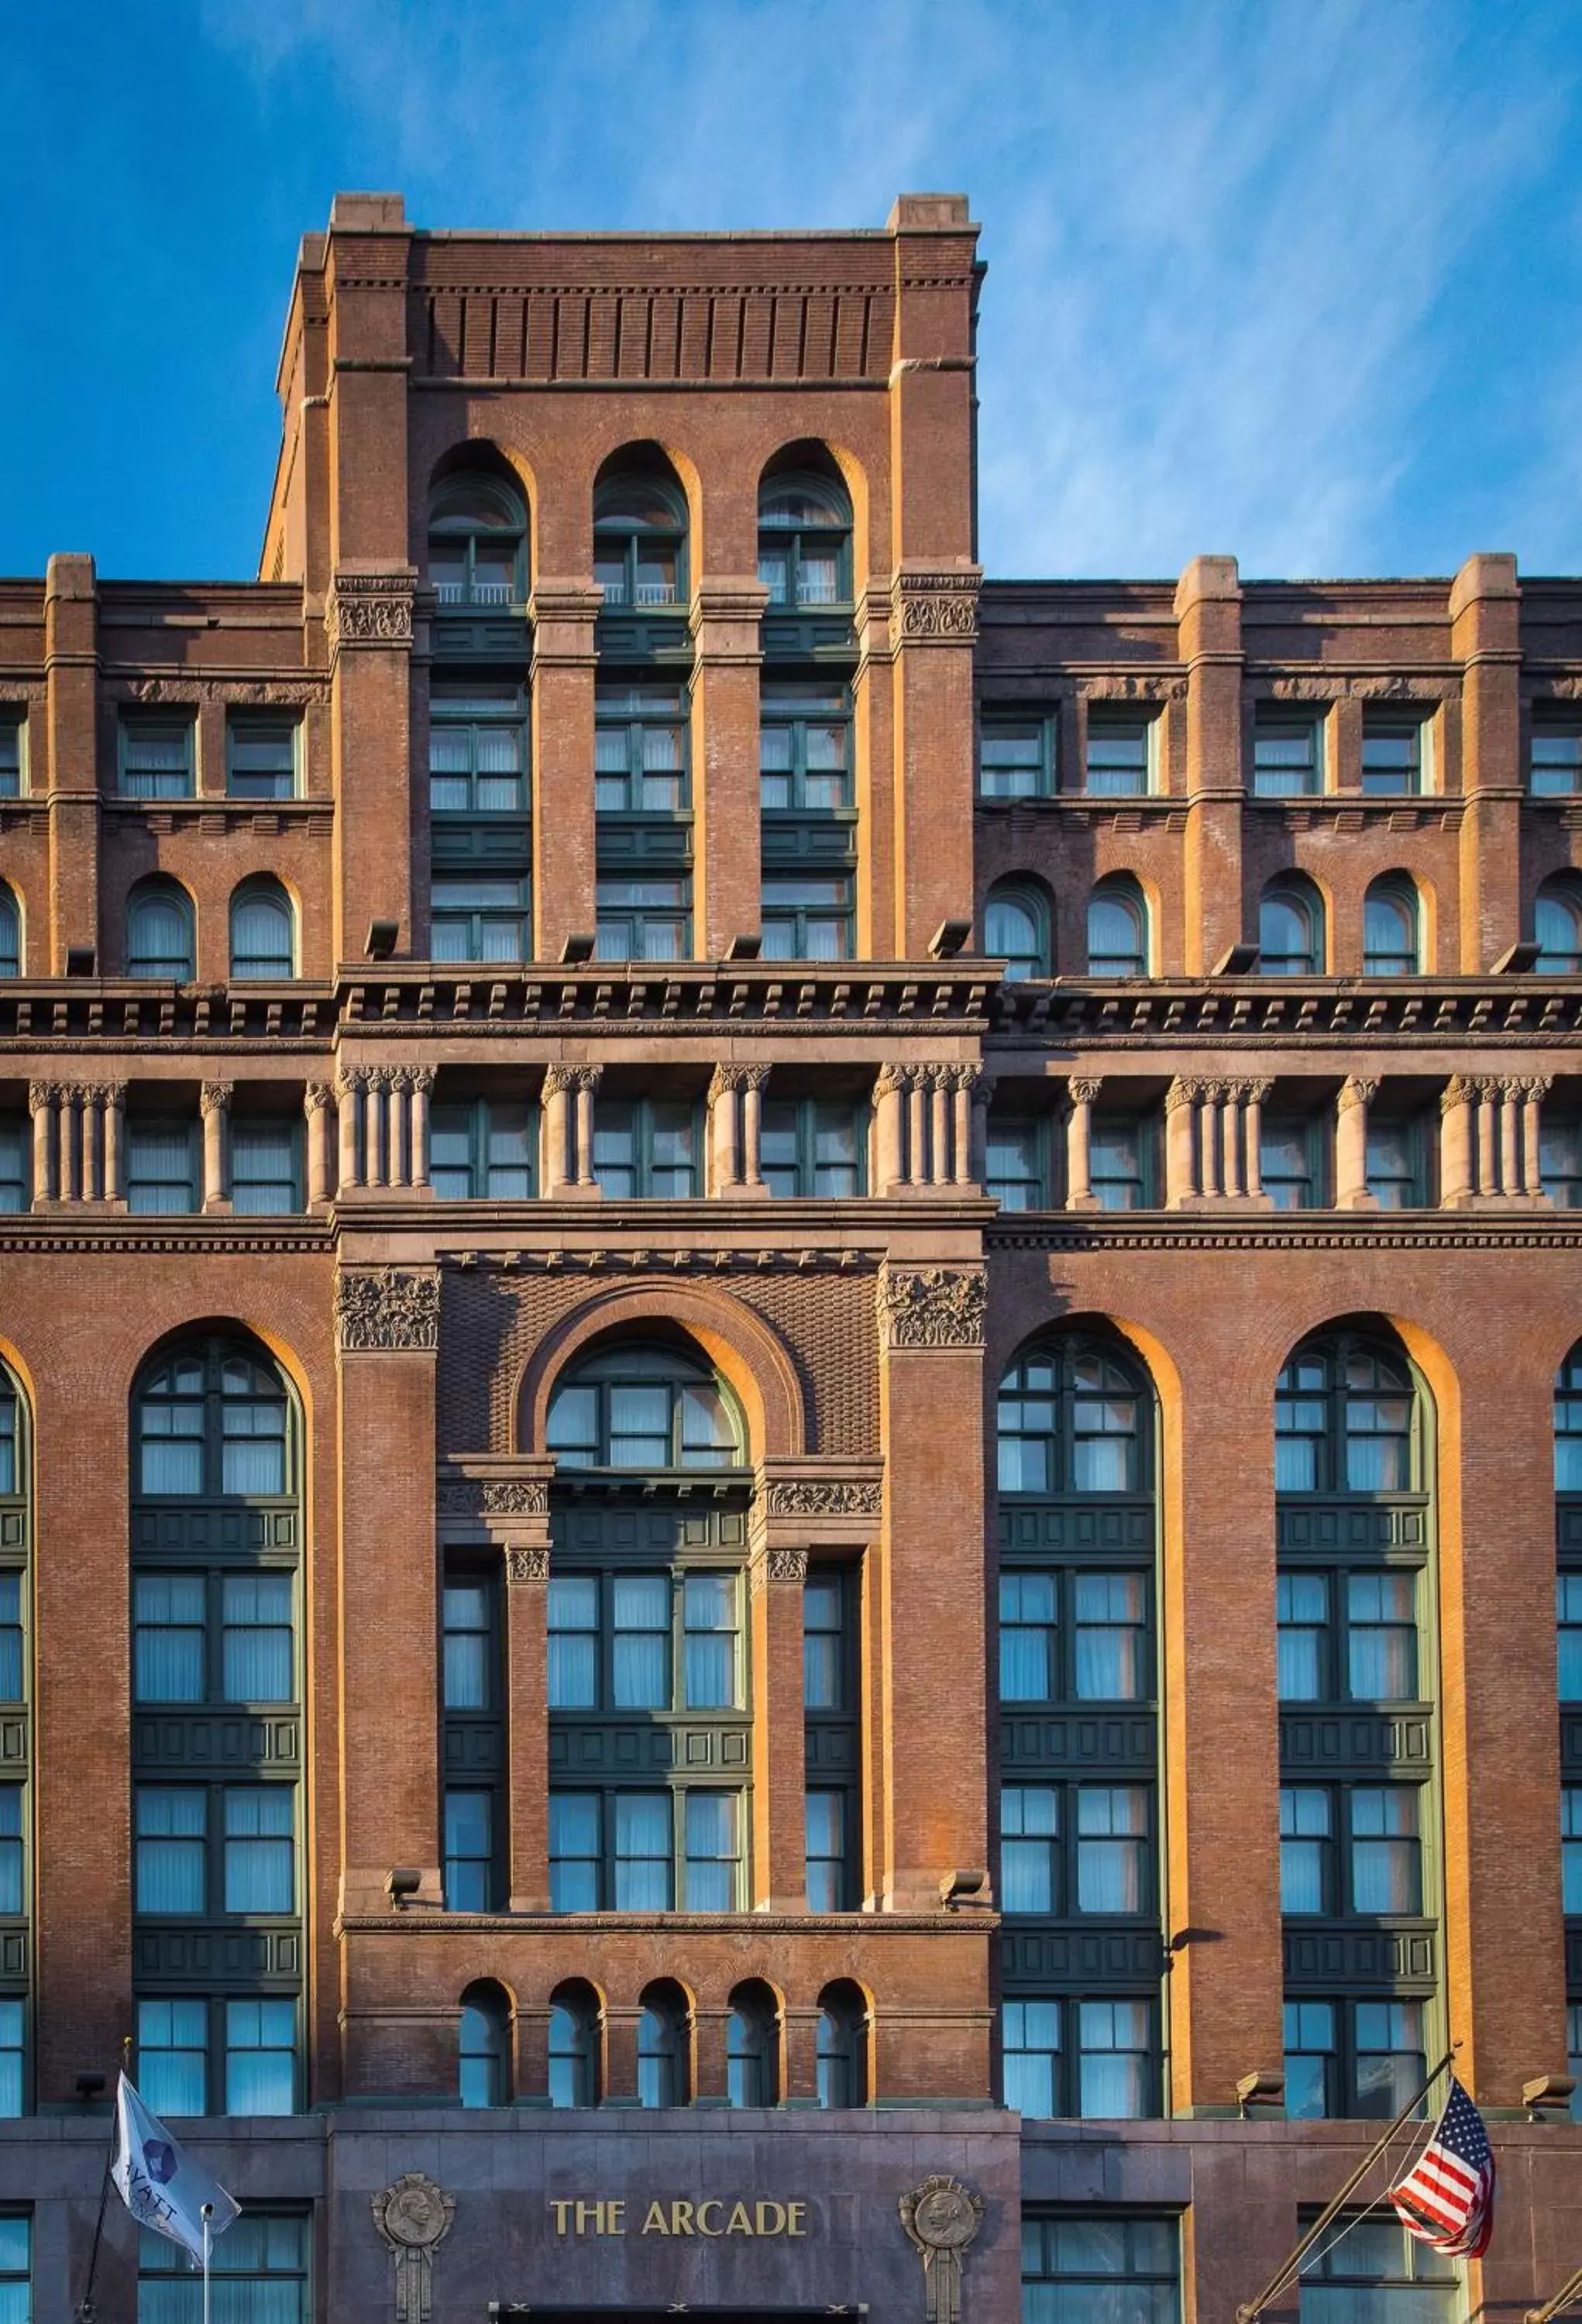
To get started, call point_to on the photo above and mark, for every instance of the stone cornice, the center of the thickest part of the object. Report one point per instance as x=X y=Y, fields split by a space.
x=421 y=1920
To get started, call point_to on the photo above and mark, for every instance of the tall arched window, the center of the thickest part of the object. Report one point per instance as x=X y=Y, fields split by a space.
x=1568 y=1621
x=10 y=933
x=1079 y=1833
x=16 y=1545
x=1290 y=928
x=640 y=533
x=1016 y=929
x=263 y=931
x=477 y=540
x=843 y=2046
x=1354 y=1588
x=574 y=2044
x=216 y=1541
x=804 y=539
x=1391 y=928
x=662 y=2041
x=160 y=938
x=752 y=2046
x=483 y=2046
x=1117 y=928
x=1557 y=926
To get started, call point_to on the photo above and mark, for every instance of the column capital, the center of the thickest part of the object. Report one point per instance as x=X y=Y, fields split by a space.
x=213 y=1097
x=1356 y=1091
x=558 y=1078
x=526 y=1562
x=1461 y=1089
x=42 y=1096
x=777 y=1566
x=370 y=609
x=1082 y=1089
x=318 y=1097
x=1186 y=1089
x=935 y=605
x=350 y=1081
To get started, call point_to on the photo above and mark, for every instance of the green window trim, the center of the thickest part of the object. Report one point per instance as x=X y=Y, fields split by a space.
x=1122 y=760
x=13 y=782
x=1019 y=1157
x=1554 y=752
x=478 y=748
x=1018 y=755
x=263 y=752
x=643 y=919
x=10 y=948
x=641 y=748
x=156 y=754
x=220 y=2052
x=815 y=1148
x=484 y=1149
x=482 y=919
x=648 y=1148
x=640 y=528
x=805 y=746
x=632 y=1847
x=478 y=542
x=1094 y=2056
x=1400 y=1158
x=804 y=543
x=1397 y=753
x=1123 y=2266
x=1288 y=752
x=1352 y=2056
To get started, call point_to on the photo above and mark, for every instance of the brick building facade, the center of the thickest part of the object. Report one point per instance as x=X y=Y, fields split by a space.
x=793 y=1364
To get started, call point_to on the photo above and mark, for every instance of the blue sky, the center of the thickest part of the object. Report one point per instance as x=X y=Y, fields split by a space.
x=1296 y=280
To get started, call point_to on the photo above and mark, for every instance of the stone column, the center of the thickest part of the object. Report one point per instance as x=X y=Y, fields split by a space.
x=1231 y=1176
x=917 y=1126
x=726 y=653
x=116 y=1143
x=964 y=1082
x=933 y=631
x=563 y=611
x=376 y=1120
x=1351 y=1145
x=420 y=1083
x=214 y=1101
x=1488 y=1143
x=588 y=1080
x=1180 y=1142
x=1212 y=1108
x=940 y=1173
x=725 y=1142
x=1254 y=1094
x=317 y=1103
x=1456 y=1129
x=68 y=1141
x=398 y=1088
x=527 y=1576
x=753 y=1080
x=559 y=1170
x=93 y=1101
x=41 y=1105
x=1209 y=615
x=779 y=1773
x=1486 y=617
x=890 y=1131
x=1080 y=1093
x=1534 y=1090
x=349 y=1083
x=1510 y=1177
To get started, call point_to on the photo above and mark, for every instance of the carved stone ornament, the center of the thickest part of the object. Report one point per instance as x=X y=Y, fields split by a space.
x=413 y=2215
x=370 y=609
x=525 y=1562
x=823 y=1497
x=941 y=2219
x=936 y=607
x=932 y=1306
x=515 y=1497
x=386 y=1307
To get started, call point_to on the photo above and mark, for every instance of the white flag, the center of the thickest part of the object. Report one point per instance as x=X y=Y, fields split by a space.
x=161 y=2187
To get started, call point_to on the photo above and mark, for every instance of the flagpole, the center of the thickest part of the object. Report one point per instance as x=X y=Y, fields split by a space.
x=1567 y=2296
x=86 y=2310
x=207 y=2216
x=1292 y=2266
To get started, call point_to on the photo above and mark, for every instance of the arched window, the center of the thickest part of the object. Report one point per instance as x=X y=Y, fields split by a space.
x=641 y=1407
x=10 y=934
x=639 y=534
x=1117 y=930
x=1557 y=926
x=1344 y=1420
x=1568 y=1424
x=212 y=1421
x=752 y=2046
x=1291 y=929
x=477 y=540
x=159 y=940
x=804 y=539
x=1072 y=1418
x=843 y=2046
x=662 y=2078
x=1016 y=930
x=263 y=929
x=574 y=2046
x=484 y=2047
x=1392 y=935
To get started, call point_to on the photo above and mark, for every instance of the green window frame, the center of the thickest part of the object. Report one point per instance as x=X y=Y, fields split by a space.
x=1347 y=1419
x=1560 y=1157
x=263 y=754
x=1123 y=1161
x=213 y=1420
x=1351 y=1851
x=164 y=1174
x=624 y=1640
x=1076 y=1634
x=13 y=768
x=263 y=933
x=12 y=2057
x=472 y=1688
x=1557 y=926
x=804 y=746
x=640 y=1408
x=243 y=2050
x=643 y=919
x=478 y=747
x=156 y=754
x=483 y=2046
x=1122 y=758
x=807 y=914
x=804 y=543
x=1074 y=1418
x=1554 y=752
x=1288 y=753
x=13 y=1883
x=647 y=1149
x=265 y=1165
x=1399 y=1150
x=1116 y=2265
x=261 y=2267
x=1291 y=929
x=813 y=1147
x=15 y=1166
x=227 y=1636
x=16 y=2272
x=482 y=919
x=1077 y=1850
x=1016 y=929
x=1571 y=1850
x=1392 y=928
x=1567 y=1621
x=1293 y=1160
x=1368 y=2270
x=1350 y=1634
x=1120 y=939
x=1396 y=753
x=1093 y=2058
x=1017 y=755
x=1352 y=2056
x=477 y=541
x=471 y=1849
x=10 y=933
x=161 y=938
x=827 y=1848
x=640 y=542
x=642 y=750
x=635 y=1849
x=1018 y=1158
x=215 y=1850
x=484 y=1149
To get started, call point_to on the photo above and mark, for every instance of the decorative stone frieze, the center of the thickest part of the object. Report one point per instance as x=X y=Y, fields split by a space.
x=778 y=1565
x=932 y=1306
x=936 y=605
x=526 y=1562
x=369 y=609
x=823 y=1497
x=386 y=1308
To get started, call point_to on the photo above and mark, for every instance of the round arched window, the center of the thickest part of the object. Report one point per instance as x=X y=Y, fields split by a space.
x=641 y=1407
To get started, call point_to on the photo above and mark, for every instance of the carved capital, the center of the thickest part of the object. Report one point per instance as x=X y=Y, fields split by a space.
x=386 y=1307
x=558 y=1078
x=42 y=1096
x=214 y=1097
x=318 y=1097
x=1255 y=1092
x=1535 y=1087
x=526 y=1562
x=892 y=1080
x=1083 y=1089
x=420 y=1079
x=1185 y=1090
x=725 y=1078
x=935 y=605
x=1355 y=1091
x=369 y=609
x=778 y=1565
x=350 y=1081
x=932 y=1306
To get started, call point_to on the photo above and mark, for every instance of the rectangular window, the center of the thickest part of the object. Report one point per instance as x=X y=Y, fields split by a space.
x=1554 y=767
x=1305 y=1838
x=640 y=750
x=12 y=1665
x=1370 y=2271
x=1115 y=2070
x=1120 y=751
x=1029 y=1830
x=260 y=1850
x=1016 y=757
x=1571 y=1850
x=643 y=919
x=573 y=1642
x=1110 y=1636
x=575 y=1853
x=804 y=746
x=13 y=2041
x=16 y=2275
x=1386 y=1854
x=1389 y=2060
x=1287 y=753
x=482 y=1150
x=12 y=728
x=261 y=2056
x=171 y=1843
x=825 y=1851
x=1559 y=1158
x=714 y=1851
x=469 y=1849
x=1111 y=1847
x=711 y=1647
x=811 y=1147
x=479 y=920
x=1029 y=1638
x=261 y=2268
x=257 y=1644
x=1292 y=1156
x=644 y=1844
x=642 y=1609
x=1097 y=2268
x=1303 y=1600
x=469 y=1653
x=15 y=1166
x=1382 y=1637
x=806 y=917
x=824 y=1650
x=477 y=748
x=1120 y=1162
x=172 y=2056
x=1394 y=753
x=1015 y=1169
x=1031 y=2052
x=1397 y=1157
x=161 y=1167
x=1567 y=1615
x=12 y=1883
x=168 y=1636
x=645 y=1148
x=260 y=756
x=266 y=1168
x=157 y=756
x=1573 y=2055
x=1312 y=2070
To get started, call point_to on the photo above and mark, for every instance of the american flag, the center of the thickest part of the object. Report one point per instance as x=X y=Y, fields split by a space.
x=1447 y=2199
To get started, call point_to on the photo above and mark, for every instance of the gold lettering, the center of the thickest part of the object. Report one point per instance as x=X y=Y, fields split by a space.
x=559 y=2210
x=779 y=2226
x=590 y=2215
x=617 y=2213
x=795 y=2214
x=703 y=2227
x=738 y=2224
x=682 y=2219
x=656 y=2223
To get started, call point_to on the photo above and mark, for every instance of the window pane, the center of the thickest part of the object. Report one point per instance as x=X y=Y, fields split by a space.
x=642 y=1853
x=170 y=1830
x=712 y=1846
x=256 y=1618
x=168 y=1642
x=641 y=1605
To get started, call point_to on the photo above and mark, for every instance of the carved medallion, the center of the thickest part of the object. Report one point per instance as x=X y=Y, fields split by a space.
x=413 y=2215
x=941 y=2219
